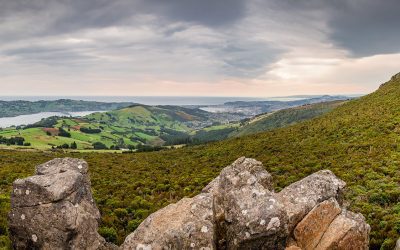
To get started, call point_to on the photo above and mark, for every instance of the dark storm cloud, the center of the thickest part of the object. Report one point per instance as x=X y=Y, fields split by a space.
x=207 y=12
x=364 y=27
x=61 y=16
x=369 y=27
x=247 y=60
x=216 y=39
x=40 y=19
x=72 y=15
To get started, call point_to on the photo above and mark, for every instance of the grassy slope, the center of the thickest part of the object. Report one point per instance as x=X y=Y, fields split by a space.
x=141 y=122
x=286 y=117
x=358 y=141
x=265 y=122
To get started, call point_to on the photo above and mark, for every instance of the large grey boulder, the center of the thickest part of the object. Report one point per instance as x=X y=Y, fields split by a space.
x=241 y=211
x=54 y=209
x=247 y=213
x=302 y=196
x=188 y=224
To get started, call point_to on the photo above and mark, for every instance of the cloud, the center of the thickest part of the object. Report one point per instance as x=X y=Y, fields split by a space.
x=152 y=45
x=212 y=13
x=364 y=27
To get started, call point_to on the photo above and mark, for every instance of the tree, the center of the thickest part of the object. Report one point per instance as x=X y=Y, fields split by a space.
x=74 y=145
x=63 y=133
x=99 y=145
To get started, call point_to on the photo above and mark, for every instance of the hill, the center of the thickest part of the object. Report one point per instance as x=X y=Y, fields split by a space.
x=122 y=128
x=264 y=122
x=253 y=108
x=16 y=108
x=286 y=117
x=149 y=127
x=358 y=141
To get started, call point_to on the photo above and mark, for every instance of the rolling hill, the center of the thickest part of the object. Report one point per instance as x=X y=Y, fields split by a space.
x=286 y=117
x=121 y=128
x=358 y=141
x=152 y=126
x=265 y=122
x=16 y=108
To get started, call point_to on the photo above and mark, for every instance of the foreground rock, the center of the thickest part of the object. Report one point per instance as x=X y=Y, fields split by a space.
x=302 y=196
x=310 y=230
x=248 y=214
x=246 y=210
x=184 y=225
x=54 y=209
x=237 y=210
x=328 y=227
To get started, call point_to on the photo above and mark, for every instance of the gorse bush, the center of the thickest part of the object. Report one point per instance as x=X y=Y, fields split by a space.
x=358 y=141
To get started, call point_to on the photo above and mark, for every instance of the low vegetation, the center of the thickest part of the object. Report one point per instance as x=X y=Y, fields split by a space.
x=150 y=127
x=358 y=141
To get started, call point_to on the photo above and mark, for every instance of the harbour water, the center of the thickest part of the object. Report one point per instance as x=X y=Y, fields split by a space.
x=29 y=119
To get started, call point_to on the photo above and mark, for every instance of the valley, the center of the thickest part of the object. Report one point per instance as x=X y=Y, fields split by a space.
x=357 y=140
x=141 y=127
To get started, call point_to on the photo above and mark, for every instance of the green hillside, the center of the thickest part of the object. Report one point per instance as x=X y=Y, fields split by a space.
x=286 y=117
x=264 y=122
x=122 y=128
x=152 y=126
x=358 y=141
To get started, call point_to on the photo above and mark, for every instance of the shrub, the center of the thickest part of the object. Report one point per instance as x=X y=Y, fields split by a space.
x=99 y=145
x=109 y=233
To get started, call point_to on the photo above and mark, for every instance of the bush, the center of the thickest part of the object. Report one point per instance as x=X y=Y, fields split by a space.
x=109 y=233
x=90 y=130
x=133 y=224
x=63 y=133
x=99 y=145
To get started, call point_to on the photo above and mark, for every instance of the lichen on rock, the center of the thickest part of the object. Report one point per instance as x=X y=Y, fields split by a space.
x=54 y=209
x=239 y=209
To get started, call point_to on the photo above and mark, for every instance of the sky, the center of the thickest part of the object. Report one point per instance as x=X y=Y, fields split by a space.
x=257 y=48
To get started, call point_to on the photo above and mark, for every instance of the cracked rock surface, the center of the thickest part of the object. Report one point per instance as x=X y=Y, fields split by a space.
x=239 y=209
x=54 y=209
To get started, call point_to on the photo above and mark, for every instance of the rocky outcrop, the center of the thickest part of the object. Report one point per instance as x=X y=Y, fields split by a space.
x=188 y=224
x=302 y=196
x=310 y=230
x=247 y=213
x=54 y=209
x=237 y=210
x=327 y=226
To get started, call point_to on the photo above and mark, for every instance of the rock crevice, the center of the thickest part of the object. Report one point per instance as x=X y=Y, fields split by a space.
x=237 y=210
